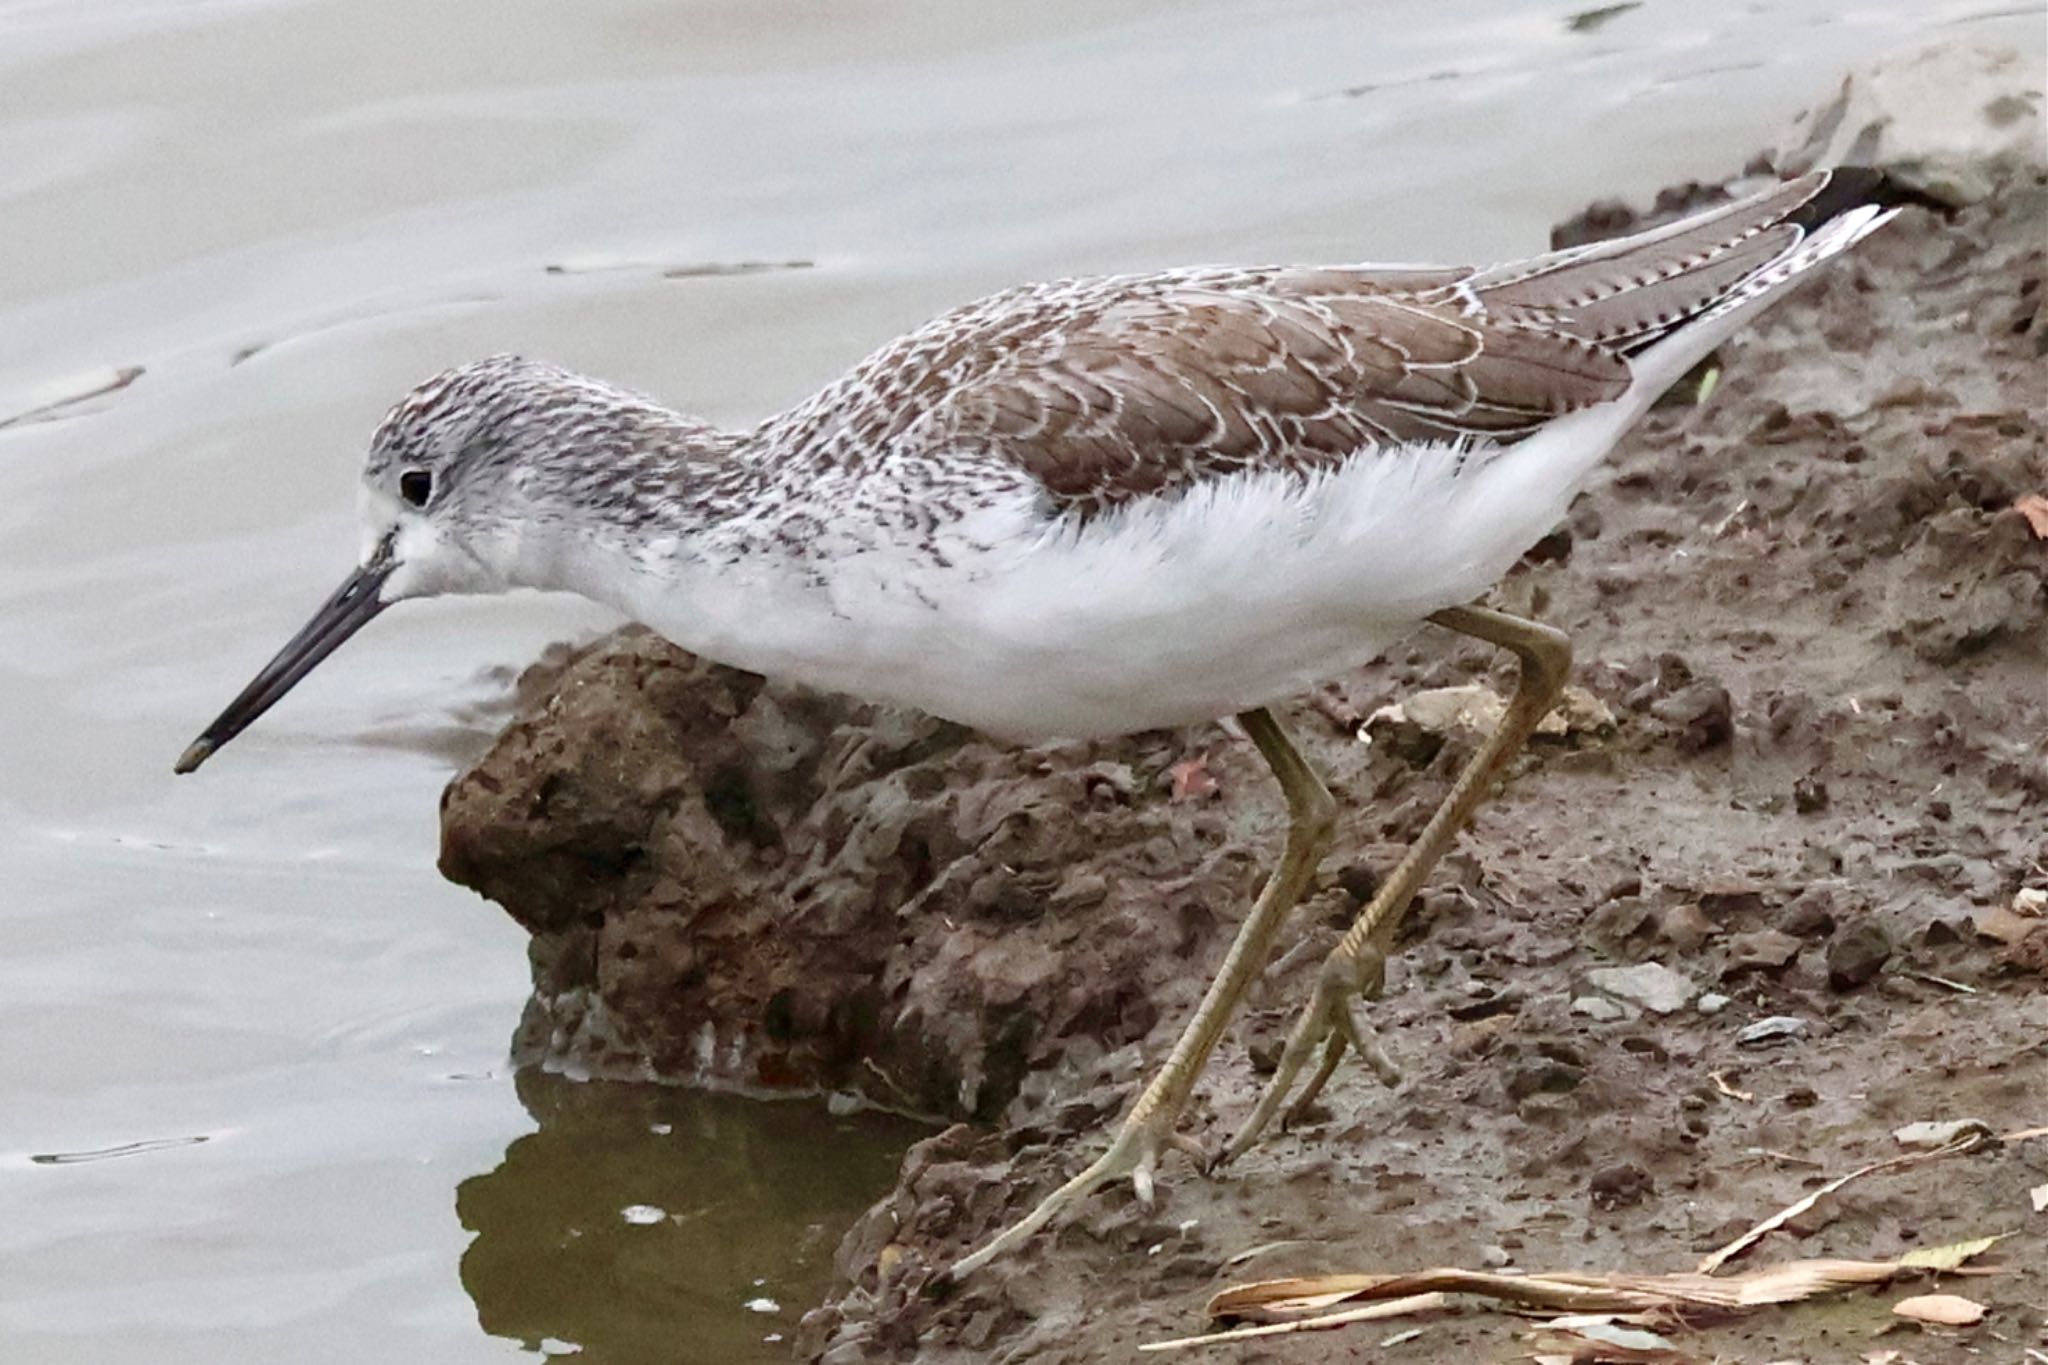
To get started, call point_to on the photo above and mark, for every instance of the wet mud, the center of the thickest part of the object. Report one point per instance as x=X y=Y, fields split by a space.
x=1807 y=782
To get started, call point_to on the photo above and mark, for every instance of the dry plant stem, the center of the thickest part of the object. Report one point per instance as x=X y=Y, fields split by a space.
x=1149 y=1128
x=1357 y=965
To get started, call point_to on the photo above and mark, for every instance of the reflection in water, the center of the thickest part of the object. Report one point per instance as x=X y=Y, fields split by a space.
x=640 y=1220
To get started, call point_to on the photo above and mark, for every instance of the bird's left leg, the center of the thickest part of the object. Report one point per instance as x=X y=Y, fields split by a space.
x=1356 y=965
x=1148 y=1130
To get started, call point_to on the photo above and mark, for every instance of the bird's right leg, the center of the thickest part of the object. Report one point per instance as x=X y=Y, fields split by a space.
x=1355 y=966
x=1148 y=1132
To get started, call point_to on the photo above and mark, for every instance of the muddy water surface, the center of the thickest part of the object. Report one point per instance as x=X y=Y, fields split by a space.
x=253 y=1105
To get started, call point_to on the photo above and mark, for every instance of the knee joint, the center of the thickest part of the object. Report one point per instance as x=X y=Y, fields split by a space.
x=1317 y=817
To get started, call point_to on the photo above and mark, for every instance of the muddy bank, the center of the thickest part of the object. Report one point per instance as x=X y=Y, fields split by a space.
x=1820 y=629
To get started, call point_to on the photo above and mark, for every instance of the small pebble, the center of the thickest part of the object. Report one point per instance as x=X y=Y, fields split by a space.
x=1779 y=1028
x=1713 y=1002
x=1652 y=985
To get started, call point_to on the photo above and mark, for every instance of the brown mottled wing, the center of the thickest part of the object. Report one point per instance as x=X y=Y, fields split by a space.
x=1164 y=386
x=1108 y=390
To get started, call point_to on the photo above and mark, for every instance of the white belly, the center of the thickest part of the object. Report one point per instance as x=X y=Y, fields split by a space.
x=1165 y=613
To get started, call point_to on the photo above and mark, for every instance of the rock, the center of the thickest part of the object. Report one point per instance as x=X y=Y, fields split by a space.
x=1600 y=1009
x=1685 y=926
x=1712 y=1003
x=1953 y=120
x=1809 y=796
x=1620 y=1186
x=1779 y=1028
x=1761 y=950
x=1543 y=1076
x=1857 y=953
x=1701 y=716
x=2004 y=926
x=1812 y=912
x=1474 y=710
x=732 y=882
x=1650 y=984
x=1486 y=1000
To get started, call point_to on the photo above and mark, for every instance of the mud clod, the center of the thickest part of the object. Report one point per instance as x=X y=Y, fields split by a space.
x=1857 y=954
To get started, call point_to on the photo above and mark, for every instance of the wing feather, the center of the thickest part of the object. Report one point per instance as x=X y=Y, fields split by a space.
x=1112 y=389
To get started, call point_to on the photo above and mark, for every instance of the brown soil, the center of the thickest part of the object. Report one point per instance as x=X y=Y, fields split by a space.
x=1822 y=630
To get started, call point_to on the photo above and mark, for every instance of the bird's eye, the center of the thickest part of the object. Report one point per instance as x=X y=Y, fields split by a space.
x=415 y=485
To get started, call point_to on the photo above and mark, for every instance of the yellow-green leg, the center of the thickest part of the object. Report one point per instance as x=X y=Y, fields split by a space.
x=1356 y=966
x=1148 y=1130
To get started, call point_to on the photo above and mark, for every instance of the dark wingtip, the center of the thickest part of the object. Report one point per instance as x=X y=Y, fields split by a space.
x=1854 y=187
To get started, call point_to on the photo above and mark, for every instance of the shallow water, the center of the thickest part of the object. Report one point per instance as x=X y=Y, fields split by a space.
x=253 y=1100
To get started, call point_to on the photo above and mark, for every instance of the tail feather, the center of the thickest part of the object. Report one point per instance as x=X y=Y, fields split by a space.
x=1675 y=350
x=1634 y=292
x=1690 y=298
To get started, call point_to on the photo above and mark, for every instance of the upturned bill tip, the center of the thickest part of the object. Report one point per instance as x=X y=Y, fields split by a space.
x=196 y=753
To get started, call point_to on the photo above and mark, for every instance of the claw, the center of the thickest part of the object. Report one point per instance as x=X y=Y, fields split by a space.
x=1329 y=1025
x=1134 y=1154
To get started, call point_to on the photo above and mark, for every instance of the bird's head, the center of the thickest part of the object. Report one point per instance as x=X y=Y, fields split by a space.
x=474 y=483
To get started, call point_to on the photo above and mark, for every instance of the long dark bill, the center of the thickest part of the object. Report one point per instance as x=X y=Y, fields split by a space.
x=339 y=617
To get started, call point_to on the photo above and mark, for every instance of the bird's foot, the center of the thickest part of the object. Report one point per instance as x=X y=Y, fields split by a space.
x=1330 y=1023
x=1145 y=1136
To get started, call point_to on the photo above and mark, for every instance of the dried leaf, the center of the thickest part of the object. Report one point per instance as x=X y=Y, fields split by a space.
x=1607 y=1345
x=1299 y=1304
x=1394 y=1308
x=1274 y=1300
x=1931 y=979
x=2034 y=508
x=1972 y=1135
x=1721 y=1084
x=1949 y=1310
x=1571 y=1291
x=1796 y=1280
x=1714 y=1260
x=1951 y=1256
